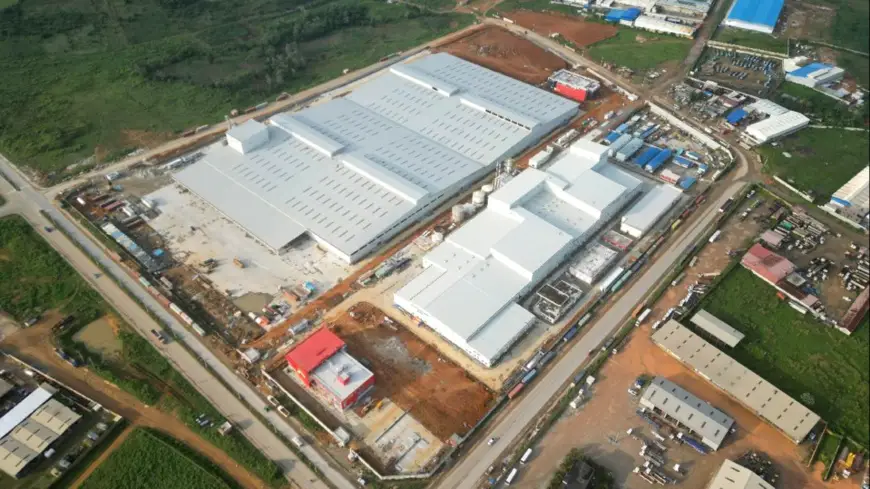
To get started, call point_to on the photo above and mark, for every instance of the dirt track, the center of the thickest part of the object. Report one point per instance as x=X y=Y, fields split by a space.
x=574 y=29
x=33 y=345
x=501 y=51
x=439 y=394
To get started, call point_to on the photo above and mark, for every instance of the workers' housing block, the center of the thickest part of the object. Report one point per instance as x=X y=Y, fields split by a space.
x=353 y=172
x=467 y=291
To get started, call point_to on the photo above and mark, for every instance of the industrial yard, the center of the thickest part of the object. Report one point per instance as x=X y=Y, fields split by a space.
x=572 y=29
x=751 y=74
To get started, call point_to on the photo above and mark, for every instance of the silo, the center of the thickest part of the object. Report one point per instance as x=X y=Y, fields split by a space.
x=458 y=213
x=478 y=197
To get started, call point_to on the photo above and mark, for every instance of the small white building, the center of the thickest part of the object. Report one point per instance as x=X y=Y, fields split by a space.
x=470 y=283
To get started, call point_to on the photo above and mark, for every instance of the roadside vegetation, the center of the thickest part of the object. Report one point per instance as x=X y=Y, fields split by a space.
x=820 y=367
x=37 y=279
x=602 y=479
x=147 y=459
x=639 y=50
x=851 y=27
x=90 y=82
x=820 y=160
x=749 y=39
x=821 y=108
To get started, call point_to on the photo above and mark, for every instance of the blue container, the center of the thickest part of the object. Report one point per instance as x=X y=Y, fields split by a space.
x=529 y=376
x=613 y=136
x=687 y=182
x=680 y=161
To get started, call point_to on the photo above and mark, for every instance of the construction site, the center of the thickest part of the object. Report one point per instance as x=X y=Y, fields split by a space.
x=573 y=29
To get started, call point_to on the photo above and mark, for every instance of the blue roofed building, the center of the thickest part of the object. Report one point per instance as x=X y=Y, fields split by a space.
x=754 y=15
x=815 y=74
x=735 y=116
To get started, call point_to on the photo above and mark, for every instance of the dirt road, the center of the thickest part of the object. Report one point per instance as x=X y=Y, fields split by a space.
x=33 y=345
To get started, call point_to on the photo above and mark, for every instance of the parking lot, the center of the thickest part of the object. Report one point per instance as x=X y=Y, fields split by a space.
x=749 y=73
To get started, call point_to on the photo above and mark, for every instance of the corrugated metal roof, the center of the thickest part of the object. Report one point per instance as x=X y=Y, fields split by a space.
x=25 y=408
x=650 y=208
x=718 y=328
x=776 y=407
x=466 y=292
x=698 y=415
x=760 y=12
x=857 y=190
x=734 y=476
x=341 y=364
x=348 y=170
x=777 y=125
x=805 y=71
x=314 y=350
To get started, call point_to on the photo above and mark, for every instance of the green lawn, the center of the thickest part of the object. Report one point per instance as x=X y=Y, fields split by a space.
x=821 y=108
x=822 y=160
x=625 y=50
x=797 y=353
x=828 y=450
x=146 y=460
x=81 y=79
x=856 y=65
x=851 y=27
x=749 y=39
x=35 y=279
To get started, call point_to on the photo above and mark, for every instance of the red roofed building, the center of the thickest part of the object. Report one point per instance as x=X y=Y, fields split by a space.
x=323 y=365
x=767 y=264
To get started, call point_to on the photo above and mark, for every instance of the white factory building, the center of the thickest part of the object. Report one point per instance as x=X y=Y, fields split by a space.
x=470 y=283
x=780 y=122
x=662 y=26
x=734 y=476
x=811 y=75
x=643 y=215
x=854 y=196
x=352 y=172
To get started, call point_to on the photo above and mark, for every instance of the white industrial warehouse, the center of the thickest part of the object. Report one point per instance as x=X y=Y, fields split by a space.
x=353 y=172
x=734 y=476
x=776 y=407
x=780 y=122
x=673 y=402
x=467 y=291
x=643 y=215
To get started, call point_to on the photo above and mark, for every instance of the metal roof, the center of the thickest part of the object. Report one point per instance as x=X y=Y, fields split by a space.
x=25 y=408
x=698 y=415
x=775 y=406
x=575 y=80
x=471 y=279
x=650 y=208
x=777 y=125
x=856 y=192
x=14 y=456
x=592 y=261
x=329 y=375
x=347 y=171
x=55 y=416
x=34 y=435
x=734 y=476
x=720 y=330
x=759 y=12
x=314 y=350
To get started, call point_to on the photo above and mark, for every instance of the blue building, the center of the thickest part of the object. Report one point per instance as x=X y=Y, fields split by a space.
x=754 y=15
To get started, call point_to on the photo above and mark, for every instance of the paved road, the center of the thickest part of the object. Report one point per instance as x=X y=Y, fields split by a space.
x=475 y=463
x=28 y=202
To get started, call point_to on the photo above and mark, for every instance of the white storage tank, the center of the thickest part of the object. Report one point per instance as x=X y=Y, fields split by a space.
x=487 y=189
x=458 y=213
x=436 y=237
x=478 y=197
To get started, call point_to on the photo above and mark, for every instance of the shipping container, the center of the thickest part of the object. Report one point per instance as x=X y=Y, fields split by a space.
x=516 y=390
x=570 y=334
x=549 y=356
x=669 y=176
x=683 y=162
x=715 y=236
x=578 y=379
x=531 y=374
x=645 y=314
x=687 y=182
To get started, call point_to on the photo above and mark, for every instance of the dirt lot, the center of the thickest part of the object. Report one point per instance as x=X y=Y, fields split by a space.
x=499 y=50
x=412 y=374
x=574 y=29
x=599 y=427
x=804 y=20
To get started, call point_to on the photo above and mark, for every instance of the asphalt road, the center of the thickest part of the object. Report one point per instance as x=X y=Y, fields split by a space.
x=28 y=202
x=474 y=464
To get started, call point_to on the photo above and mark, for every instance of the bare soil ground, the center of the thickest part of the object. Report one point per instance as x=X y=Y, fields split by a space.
x=574 y=29
x=34 y=346
x=805 y=20
x=599 y=427
x=412 y=374
x=499 y=50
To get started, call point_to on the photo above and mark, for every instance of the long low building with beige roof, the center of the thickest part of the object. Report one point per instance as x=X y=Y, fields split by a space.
x=778 y=408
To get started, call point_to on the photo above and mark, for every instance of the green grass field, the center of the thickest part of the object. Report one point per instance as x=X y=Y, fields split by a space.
x=84 y=81
x=822 y=160
x=797 y=353
x=146 y=461
x=625 y=50
x=749 y=39
x=35 y=279
x=856 y=65
x=851 y=27
x=821 y=108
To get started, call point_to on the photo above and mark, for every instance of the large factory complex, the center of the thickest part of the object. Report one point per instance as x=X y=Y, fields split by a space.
x=353 y=172
x=470 y=283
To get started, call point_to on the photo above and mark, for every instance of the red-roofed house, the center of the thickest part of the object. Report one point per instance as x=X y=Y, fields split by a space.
x=322 y=364
x=766 y=264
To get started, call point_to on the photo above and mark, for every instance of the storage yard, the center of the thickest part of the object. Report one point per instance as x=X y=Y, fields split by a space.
x=501 y=51
x=752 y=74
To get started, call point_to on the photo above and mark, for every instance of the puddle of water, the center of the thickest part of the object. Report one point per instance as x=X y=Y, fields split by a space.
x=252 y=302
